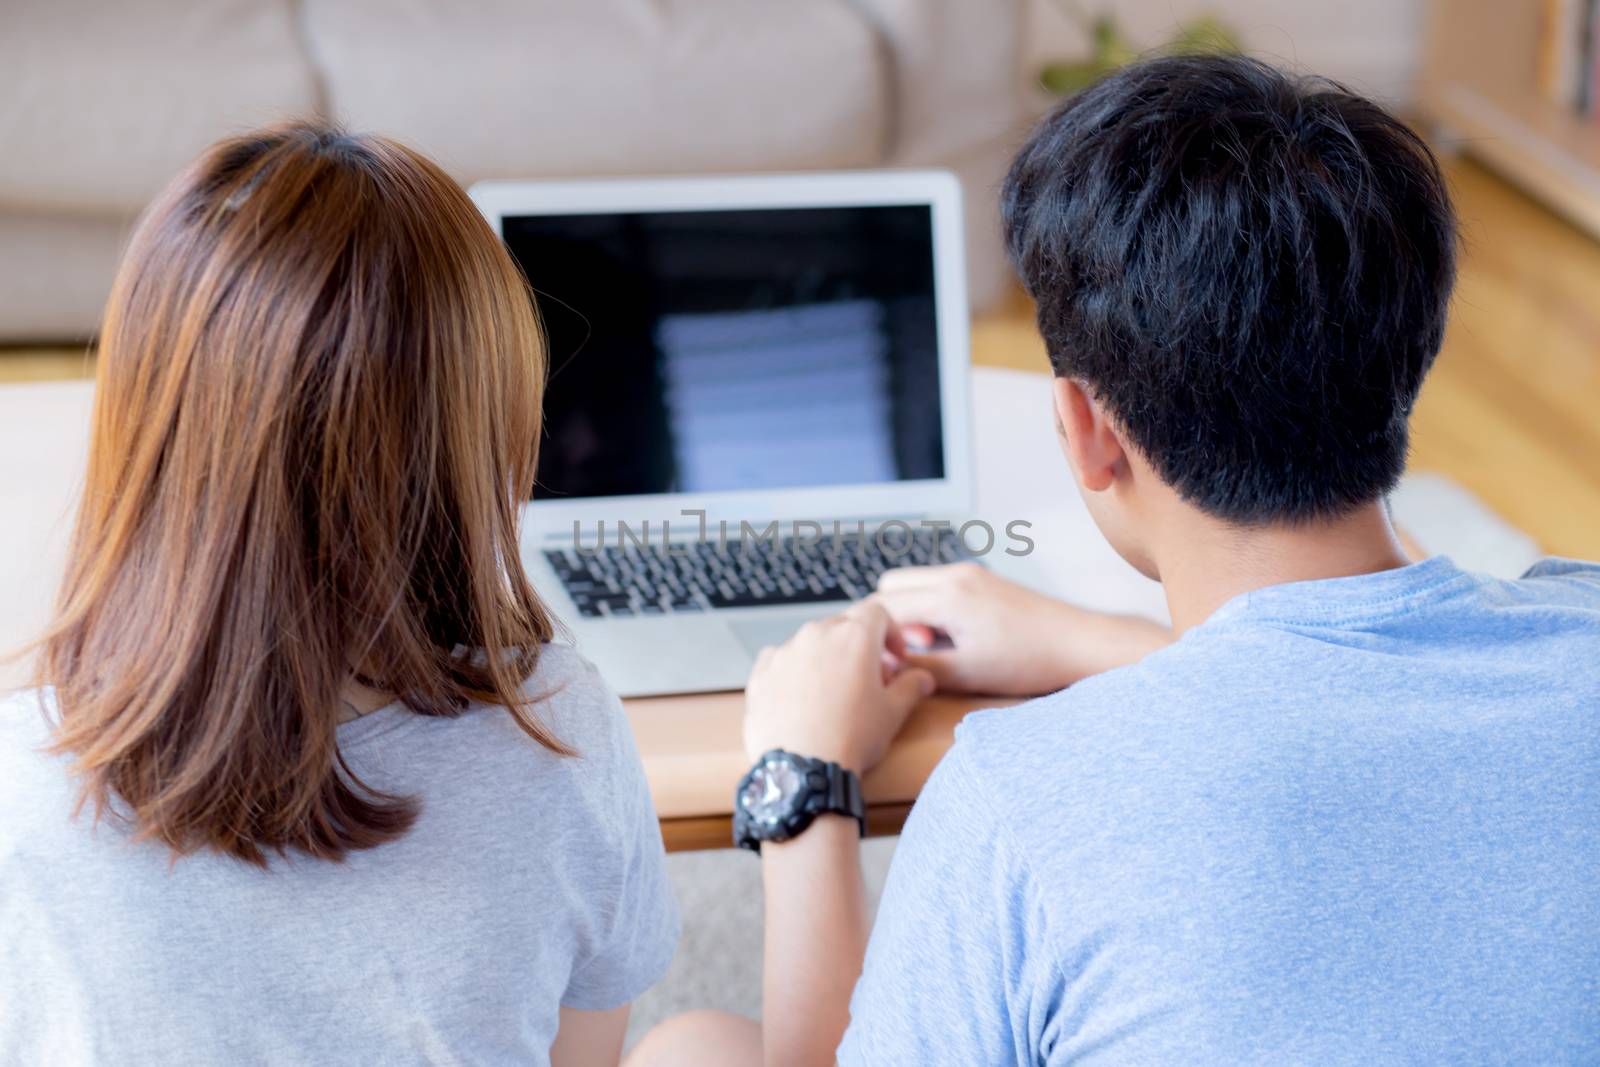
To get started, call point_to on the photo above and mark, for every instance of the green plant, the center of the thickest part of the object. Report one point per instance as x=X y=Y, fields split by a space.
x=1111 y=48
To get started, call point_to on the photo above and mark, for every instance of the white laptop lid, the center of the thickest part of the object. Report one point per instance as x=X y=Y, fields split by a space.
x=764 y=347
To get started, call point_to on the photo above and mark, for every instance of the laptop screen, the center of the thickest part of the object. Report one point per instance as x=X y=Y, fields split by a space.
x=748 y=349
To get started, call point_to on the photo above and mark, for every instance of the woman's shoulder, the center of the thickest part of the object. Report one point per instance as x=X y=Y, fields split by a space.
x=26 y=718
x=28 y=771
x=566 y=701
x=564 y=664
x=485 y=759
x=569 y=698
x=602 y=781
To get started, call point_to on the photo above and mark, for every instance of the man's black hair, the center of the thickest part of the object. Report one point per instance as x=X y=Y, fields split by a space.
x=1249 y=270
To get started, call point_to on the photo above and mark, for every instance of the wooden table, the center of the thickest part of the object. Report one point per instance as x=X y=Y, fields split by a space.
x=694 y=757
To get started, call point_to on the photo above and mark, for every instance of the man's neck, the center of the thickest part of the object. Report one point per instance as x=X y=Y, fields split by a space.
x=1210 y=562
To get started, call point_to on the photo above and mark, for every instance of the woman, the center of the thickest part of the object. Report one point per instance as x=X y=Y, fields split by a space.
x=310 y=784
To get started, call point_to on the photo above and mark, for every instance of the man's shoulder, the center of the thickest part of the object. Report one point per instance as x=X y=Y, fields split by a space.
x=1079 y=721
x=1199 y=719
x=1574 y=580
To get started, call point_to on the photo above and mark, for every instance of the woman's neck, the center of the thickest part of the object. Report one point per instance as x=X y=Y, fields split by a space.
x=356 y=700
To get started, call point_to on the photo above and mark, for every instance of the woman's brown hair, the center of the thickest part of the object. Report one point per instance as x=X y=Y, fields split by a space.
x=316 y=415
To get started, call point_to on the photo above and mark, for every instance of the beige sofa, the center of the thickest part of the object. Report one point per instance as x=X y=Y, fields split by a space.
x=101 y=102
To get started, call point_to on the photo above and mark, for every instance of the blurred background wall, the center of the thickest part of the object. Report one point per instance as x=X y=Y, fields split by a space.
x=101 y=101
x=1373 y=45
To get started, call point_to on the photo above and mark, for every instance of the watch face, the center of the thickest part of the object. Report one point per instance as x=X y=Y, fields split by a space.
x=769 y=794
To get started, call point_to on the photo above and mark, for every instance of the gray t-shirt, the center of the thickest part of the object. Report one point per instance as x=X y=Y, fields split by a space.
x=529 y=882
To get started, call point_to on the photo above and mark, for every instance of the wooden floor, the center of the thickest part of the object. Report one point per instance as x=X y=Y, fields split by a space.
x=1511 y=411
x=45 y=364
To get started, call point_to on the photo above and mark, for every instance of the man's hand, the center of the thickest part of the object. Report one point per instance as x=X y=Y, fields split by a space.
x=1005 y=639
x=835 y=691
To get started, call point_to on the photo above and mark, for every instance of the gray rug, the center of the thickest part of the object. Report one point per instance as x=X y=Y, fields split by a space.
x=719 y=959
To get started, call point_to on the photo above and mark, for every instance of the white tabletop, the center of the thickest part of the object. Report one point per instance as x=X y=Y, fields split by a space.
x=1019 y=475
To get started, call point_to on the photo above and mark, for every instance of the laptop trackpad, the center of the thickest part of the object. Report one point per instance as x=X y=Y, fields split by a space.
x=775 y=628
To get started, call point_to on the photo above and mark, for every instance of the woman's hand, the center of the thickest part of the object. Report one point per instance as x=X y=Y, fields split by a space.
x=837 y=690
x=1005 y=639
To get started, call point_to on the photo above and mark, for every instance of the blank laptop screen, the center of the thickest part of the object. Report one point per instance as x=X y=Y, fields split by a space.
x=709 y=351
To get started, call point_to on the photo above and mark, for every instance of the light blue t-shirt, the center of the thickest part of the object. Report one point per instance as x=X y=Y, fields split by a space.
x=1344 y=821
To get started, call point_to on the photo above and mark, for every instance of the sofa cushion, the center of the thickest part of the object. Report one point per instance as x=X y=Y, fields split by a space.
x=101 y=103
x=957 y=89
x=55 y=272
x=532 y=88
x=957 y=74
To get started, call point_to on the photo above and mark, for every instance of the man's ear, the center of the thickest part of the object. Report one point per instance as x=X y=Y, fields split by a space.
x=1088 y=438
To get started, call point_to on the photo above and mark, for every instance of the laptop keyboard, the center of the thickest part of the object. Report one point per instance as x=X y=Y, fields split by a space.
x=699 y=576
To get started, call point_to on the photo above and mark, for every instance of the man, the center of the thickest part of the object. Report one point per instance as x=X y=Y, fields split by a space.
x=1351 y=813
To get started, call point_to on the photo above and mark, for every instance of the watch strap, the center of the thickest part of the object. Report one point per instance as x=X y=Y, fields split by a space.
x=845 y=796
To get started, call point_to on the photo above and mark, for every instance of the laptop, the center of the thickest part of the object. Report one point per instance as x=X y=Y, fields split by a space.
x=757 y=403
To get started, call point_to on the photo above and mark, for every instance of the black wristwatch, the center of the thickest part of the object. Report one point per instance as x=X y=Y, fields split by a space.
x=781 y=795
